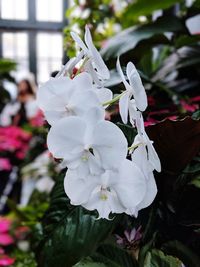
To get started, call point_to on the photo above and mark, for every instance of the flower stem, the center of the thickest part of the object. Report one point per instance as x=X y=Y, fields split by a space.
x=135 y=146
x=115 y=99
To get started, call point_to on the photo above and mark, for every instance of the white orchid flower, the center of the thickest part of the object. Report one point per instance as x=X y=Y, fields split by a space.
x=145 y=155
x=110 y=192
x=95 y=63
x=61 y=97
x=84 y=141
x=133 y=89
x=141 y=158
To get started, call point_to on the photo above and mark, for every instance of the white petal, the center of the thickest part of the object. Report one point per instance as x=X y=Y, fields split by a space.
x=83 y=81
x=90 y=69
x=110 y=144
x=52 y=116
x=78 y=189
x=104 y=206
x=136 y=83
x=79 y=42
x=104 y=95
x=96 y=57
x=65 y=136
x=130 y=185
x=150 y=193
x=123 y=107
x=54 y=93
x=119 y=69
x=82 y=102
x=152 y=155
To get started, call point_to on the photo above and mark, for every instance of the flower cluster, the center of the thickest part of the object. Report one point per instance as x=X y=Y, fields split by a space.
x=14 y=141
x=5 y=240
x=94 y=150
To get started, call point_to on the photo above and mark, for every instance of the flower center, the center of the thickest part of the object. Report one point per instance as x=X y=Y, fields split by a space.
x=104 y=193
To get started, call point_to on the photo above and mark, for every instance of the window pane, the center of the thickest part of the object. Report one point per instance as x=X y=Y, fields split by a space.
x=14 y=9
x=49 y=10
x=49 y=54
x=15 y=47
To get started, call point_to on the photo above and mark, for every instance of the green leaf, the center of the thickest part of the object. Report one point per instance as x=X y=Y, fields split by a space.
x=115 y=256
x=89 y=263
x=70 y=233
x=188 y=257
x=157 y=258
x=129 y=38
x=184 y=40
x=143 y=7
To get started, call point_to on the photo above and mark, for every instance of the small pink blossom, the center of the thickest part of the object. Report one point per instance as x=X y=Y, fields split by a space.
x=5 y=165
x=6 y=261
x=5 y=225
x=188 y=106
x=6 y=239
x=38 y=120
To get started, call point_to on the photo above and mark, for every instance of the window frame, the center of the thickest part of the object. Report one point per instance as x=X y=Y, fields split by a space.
x=32 y=27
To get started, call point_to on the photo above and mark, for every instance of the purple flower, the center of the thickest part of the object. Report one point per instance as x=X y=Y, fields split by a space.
x=130 y=239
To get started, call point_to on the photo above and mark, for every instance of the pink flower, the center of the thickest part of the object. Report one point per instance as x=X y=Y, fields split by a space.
x=6 y=239
x=188 y=107
x=5 y=165
x=6 y=261
x=195 y=99
x=38 y=120
x=5 y=225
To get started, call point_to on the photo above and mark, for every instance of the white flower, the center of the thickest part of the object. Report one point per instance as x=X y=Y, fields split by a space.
x=143 y=139
x=95 y=63
x=86 y=142
x=133 y=89
x=110 y=192
x=141 y=158
x=61 y=97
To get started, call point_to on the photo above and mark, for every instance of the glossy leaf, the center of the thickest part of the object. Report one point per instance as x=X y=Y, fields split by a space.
x=142 y=8
x=115 y=256
x=70 y=233
x=129 y=38
x=157 y=258
x=184 y=253
x=176 y=142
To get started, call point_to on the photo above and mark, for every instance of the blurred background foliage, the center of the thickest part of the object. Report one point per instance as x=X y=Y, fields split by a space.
x=6 y=66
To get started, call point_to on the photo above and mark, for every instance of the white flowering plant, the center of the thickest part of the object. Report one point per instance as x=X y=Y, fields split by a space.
x=99 y=176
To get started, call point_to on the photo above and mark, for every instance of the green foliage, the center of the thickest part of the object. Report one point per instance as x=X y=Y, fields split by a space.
x=131 y=37
x=67 y=230
x=92 y=13
x=6 y=66
x=113 y=256
x=24 y=259
x=184 y=253
x=142 y=8
x=157 y=258
x=89 y=263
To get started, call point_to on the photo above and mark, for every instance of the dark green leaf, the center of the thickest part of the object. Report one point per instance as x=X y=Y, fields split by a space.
x=129 y=38
x=116 y=256
x=143 y=7
x=184 y=253
x=71 y=233
x=157 y=258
